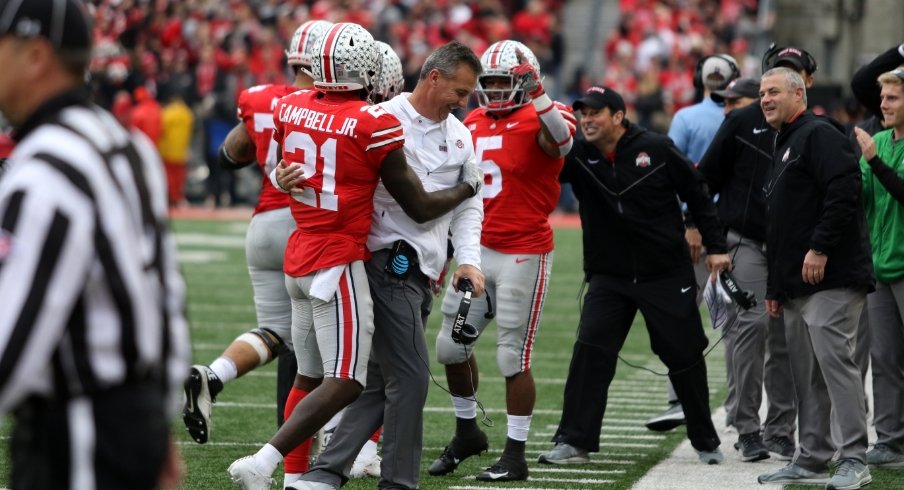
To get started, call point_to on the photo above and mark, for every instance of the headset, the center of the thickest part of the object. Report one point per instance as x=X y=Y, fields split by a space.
x=773 y=52
x=698 y=71
x=742 y=297
x=462 y=332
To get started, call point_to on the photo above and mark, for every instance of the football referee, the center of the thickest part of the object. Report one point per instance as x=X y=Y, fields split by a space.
x=93 y=340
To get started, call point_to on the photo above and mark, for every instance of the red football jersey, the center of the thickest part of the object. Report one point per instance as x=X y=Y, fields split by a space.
x=340 y=143
x=521 y=185
x=255 y=109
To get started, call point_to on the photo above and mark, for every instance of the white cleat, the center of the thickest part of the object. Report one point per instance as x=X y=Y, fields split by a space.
x=245 y=475
x=364 y=468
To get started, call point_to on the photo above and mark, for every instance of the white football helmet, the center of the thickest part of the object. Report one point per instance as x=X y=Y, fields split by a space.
x=498 y=61
x=346 y=59
x=301 y=49
x=391 y=81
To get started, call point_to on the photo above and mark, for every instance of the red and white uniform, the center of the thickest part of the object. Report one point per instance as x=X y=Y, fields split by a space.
x=522 y=183
x=521 y=189
x=340 y=144
x=255 y=109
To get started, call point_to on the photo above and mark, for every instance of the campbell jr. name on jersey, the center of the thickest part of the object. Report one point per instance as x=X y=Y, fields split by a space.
x=318 y=121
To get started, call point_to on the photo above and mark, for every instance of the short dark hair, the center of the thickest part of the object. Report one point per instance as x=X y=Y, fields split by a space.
x=448 y=57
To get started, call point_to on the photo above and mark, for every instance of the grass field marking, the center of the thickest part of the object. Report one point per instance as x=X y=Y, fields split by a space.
x=580 y=481
x=200 y=257
x=481 y=487
x=223 y=444
x=210 y=240
x=220 y=308
x=638 y=445
x=574 y=471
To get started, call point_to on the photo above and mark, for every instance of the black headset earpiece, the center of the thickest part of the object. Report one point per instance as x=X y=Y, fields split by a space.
x=462 y=332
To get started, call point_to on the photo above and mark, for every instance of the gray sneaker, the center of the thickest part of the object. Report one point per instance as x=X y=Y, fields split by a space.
x=883 y=456
x=564 y=454
x=669 y=419
x=794 y=475
x=850 y=475
x=711 y=457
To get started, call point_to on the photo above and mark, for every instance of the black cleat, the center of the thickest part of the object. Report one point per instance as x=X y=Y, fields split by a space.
x=457 y=451
x=505 y=470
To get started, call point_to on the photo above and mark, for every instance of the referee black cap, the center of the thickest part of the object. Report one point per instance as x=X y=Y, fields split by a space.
x=64 y=22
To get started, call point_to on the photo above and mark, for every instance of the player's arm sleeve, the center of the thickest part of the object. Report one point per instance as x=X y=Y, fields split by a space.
x=864 y=84
x=47 y=247
x=237 y=150
x=558 y=126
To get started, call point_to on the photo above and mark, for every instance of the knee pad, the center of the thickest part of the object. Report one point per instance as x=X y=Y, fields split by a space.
x=509 y=360
x=265 y=342
x=447 y=350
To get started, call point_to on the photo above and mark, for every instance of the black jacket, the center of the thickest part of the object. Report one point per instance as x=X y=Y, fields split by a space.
x=735 y=166
x=629 y=209
x=813 y=197
x=864 y=82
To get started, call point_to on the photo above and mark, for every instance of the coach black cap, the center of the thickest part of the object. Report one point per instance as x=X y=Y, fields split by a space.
x=599 y=97
x=798 y=59
x=64 y=22
x=740 y=87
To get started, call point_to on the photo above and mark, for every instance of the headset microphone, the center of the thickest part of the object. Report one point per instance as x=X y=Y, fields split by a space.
x=463 y=332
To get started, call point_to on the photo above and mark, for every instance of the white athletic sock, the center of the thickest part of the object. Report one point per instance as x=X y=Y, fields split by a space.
x=368 y=451
x=518 y=427
x=465 y=408
x=225 y=369
x=267 y=459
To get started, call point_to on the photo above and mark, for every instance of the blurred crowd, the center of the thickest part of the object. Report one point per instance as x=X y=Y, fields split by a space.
x=202 y=53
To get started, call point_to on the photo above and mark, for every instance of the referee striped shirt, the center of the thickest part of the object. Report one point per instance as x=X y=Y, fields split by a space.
x=91 y=295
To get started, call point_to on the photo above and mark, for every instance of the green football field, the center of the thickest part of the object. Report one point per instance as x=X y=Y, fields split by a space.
x=220 y=307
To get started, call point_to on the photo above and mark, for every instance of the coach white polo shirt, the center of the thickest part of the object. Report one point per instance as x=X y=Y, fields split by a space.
x=435 y=150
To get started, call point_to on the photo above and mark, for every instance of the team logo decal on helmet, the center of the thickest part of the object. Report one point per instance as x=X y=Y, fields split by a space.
x=346 y=59
x=301 y=49
x=391 y=80
x=498 y=61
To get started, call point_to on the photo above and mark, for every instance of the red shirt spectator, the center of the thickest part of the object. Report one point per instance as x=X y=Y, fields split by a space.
x=146 y=115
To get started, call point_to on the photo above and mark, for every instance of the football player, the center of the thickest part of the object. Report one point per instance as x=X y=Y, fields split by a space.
x=251 y=140
x=521 y=137
x=337 y=147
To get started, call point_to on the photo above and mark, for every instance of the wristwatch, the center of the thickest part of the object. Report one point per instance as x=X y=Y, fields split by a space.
x=818 y=252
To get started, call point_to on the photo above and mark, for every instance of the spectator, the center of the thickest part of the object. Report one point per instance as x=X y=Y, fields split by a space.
x=175 y=146
x=819 y=274
x=883 y=195
x=146 y=115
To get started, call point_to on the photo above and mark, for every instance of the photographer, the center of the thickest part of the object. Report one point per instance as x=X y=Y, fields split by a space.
x=635 y=258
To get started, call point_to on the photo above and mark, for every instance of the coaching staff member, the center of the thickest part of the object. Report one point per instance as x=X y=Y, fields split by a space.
x=635 y=258
x=93 y=340
x=820 y=270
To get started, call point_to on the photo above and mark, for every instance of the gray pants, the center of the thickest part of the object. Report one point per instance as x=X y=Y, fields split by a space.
x=758 y=351
x=887 y=352
x=396 y=391
x=821 y=331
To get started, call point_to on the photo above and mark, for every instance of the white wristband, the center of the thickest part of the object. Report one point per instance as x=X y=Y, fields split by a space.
x=554 y=122
x=276 y=182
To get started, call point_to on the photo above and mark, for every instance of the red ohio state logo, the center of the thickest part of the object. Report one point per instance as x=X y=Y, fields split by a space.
x=643 y=160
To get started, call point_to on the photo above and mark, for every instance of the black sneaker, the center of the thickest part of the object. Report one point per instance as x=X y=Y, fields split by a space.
x=505 y=470
x=781 y=447
x=457 y=451
x=751 y=447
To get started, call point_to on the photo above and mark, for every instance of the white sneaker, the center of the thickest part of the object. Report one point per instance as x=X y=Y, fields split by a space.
x=364 y=468
x=245 y=475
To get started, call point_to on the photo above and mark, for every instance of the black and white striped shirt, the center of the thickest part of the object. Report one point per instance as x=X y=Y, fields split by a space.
x=90 y=294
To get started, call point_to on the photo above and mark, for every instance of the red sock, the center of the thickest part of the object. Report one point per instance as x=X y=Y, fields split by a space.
x=297 y=459
x=376 y=436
